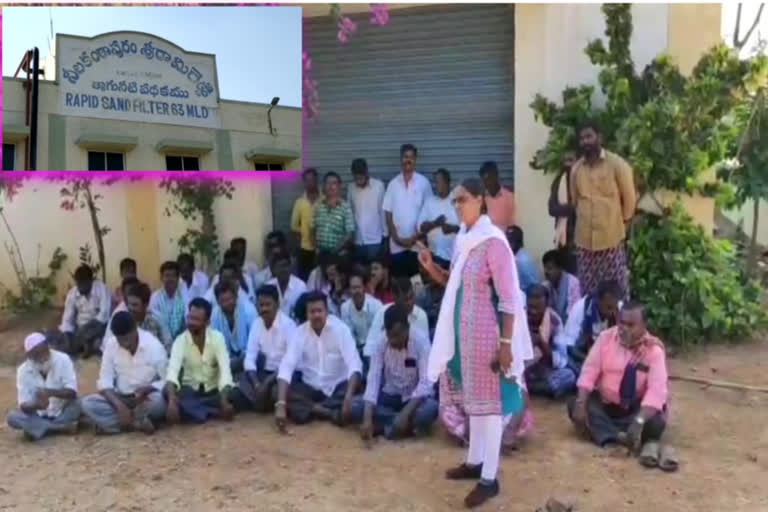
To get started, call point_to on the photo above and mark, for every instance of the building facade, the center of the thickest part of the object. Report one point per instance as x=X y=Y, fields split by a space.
x=457 y=81
x=129 y=100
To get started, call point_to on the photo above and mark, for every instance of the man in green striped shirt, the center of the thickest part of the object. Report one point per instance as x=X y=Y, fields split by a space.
x=333 y=222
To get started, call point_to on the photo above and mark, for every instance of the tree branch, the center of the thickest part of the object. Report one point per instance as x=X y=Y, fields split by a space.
x=741 y=44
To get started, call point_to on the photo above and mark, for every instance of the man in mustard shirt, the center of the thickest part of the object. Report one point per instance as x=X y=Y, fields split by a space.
x=301 y=222
x=200 y=355
x=603 y=193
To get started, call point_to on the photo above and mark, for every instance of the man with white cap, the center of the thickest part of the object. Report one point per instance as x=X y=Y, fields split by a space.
x=47 y=391
x=130 y=381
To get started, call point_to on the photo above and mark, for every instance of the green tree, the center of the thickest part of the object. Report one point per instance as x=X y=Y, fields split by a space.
x=672 y=129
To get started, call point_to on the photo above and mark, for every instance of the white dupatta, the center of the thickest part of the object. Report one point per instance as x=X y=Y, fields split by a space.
x=443 y=345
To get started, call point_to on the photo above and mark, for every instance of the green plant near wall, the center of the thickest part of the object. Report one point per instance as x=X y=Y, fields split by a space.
x=36 y=291
x=194 y=199
x=672 y=129
x=694 y=287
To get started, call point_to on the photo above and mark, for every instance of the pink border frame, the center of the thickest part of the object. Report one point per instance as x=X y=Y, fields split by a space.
x=250 y=174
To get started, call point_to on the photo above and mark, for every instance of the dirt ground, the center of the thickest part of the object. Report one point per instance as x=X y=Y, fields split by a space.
x=720 y=435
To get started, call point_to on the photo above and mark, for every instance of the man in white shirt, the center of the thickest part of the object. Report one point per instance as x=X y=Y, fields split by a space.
x=230 y=273
x=398 y=396
x=130 y=381
x=402 y=288
x=232 y=259
x=194 y=283
x=86 y=313
x=323 y=350
x=274 y=243
x=360 y=309
x=366 y=195
x=267 y=344
x=47 y=391
x=438 y=220
x=403 y=200
x=289 y=287
x=240 y=245
x=588 y=317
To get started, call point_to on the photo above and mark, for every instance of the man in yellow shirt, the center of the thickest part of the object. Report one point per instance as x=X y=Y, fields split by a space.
x=301 y=222
x=603 y=193
x=201 y=354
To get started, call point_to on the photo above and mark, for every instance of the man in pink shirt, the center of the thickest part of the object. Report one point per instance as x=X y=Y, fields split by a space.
x=499 y=200
x=623 y=385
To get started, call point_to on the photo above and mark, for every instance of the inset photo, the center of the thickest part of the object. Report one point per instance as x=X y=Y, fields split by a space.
x=151 y=88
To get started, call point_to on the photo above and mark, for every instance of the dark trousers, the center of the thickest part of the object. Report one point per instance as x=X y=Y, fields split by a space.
x=607 y=420
x=366 y=253
x=405 y=264
x=305 y=262
x=248 y=397
x=302 y=398
x=197 y=406
x=85 y=339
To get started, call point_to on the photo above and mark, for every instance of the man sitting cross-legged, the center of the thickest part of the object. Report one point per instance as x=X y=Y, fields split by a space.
x=47 y=389
x=324 y=351
x=267 y=344
x=130 y=381
x=398 y=398
x=623 y=385
x=86 y=313
x=233 y=317
x=550 y=375
x=199 y=379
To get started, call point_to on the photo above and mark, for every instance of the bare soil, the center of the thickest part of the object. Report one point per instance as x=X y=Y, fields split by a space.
x=720 y=435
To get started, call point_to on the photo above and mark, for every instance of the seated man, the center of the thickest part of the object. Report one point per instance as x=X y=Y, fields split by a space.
x=86 y=313
x=233 y=259
x=233 y=317
x=623 y=385
x=402 y=288
x=587 y=319
x=549 y=375
x=168 y=303
x=380 y=284
x=127 y=270
x=137 y=299
x=199 y=379
x=274 y=243
x=398 y=397
x=229 y=273
x=250 y=267
x=289 y=287
x=267 y=344
x=47 y=391
x=360 y=309
x=564 y=288
x=130 y=381
x=194 y=283
x=323 y=350
x=121 y=306
x=527 y=271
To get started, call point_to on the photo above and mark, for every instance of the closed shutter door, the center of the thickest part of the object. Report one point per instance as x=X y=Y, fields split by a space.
x=439 y=77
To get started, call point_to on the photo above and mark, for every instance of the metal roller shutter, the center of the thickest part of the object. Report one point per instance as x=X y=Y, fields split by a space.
x=439 y=77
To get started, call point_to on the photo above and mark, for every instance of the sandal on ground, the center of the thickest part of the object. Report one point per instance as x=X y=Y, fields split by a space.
x=667 y=459
x=481 y=493
x=464 y=472
x=649 y=456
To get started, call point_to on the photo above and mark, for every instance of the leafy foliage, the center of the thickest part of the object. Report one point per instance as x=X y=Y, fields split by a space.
x=194 y=199
x=671 y=128
x=35 y=292
x=693 y=286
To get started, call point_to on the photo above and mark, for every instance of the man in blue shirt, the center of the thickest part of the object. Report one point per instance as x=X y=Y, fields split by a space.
x=527 y=271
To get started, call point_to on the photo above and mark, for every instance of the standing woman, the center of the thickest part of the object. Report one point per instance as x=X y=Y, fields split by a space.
x=481 y=339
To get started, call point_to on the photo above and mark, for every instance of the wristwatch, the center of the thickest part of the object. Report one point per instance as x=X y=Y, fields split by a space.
x=639 y=420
